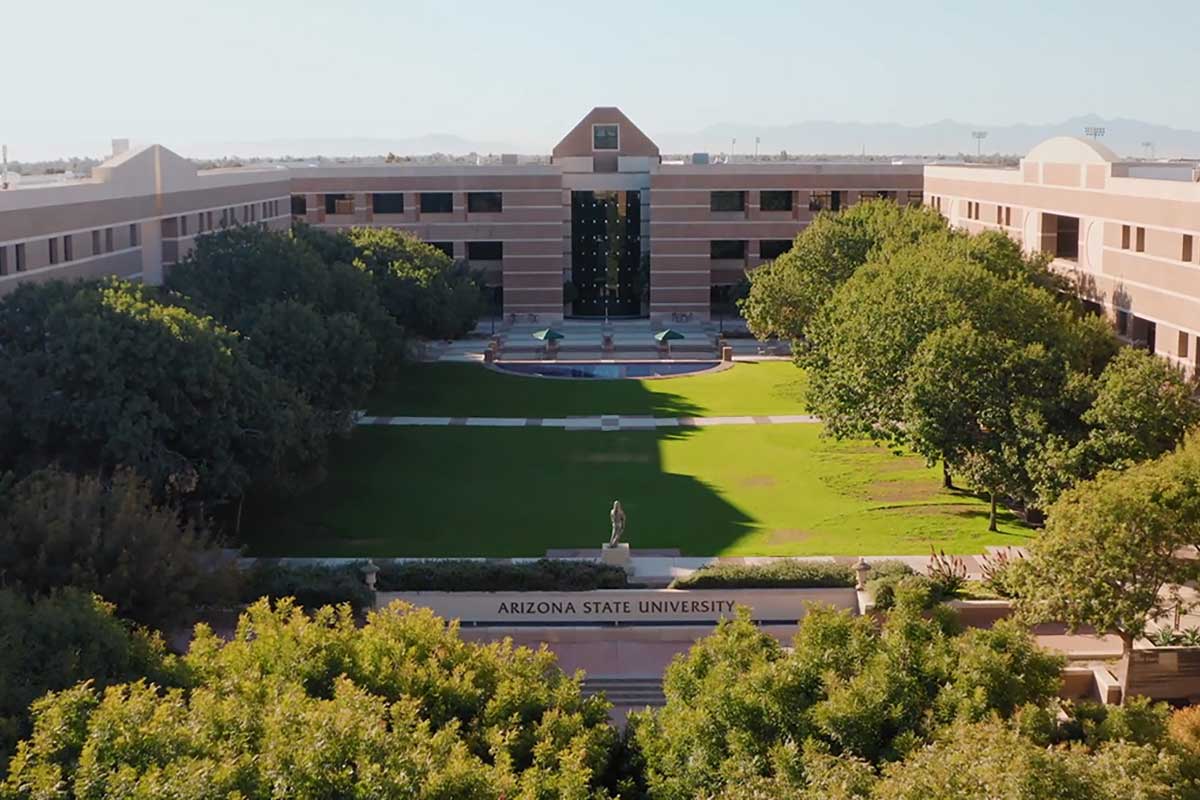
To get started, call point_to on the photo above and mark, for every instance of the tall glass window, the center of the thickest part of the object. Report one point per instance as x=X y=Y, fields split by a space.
x=606 y=254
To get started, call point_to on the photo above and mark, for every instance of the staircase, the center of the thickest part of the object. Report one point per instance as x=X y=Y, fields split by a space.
x=630 y=691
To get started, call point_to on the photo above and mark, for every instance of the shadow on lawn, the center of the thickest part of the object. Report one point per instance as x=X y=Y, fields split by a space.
x=467 y=491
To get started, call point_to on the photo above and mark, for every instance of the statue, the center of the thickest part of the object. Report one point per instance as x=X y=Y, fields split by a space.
x=617 y=515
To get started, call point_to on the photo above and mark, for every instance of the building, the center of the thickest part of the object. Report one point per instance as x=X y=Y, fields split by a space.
x=1128 y=233
x=605 y=229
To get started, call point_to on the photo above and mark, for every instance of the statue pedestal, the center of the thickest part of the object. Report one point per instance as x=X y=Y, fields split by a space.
x=617 y=555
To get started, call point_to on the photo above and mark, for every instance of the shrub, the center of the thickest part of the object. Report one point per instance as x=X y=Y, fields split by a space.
x=1184 y=728
x=789 y=574
x=544 y=575
x=885 y=591
x=888 y=567
x=312 y=586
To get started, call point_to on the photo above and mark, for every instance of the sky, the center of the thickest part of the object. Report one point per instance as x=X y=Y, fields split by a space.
x=75 y=73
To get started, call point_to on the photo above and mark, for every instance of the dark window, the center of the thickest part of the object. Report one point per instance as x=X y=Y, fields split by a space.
x=53 y=251
x=485 y=202
x=1187 y=247
x=445 y=247
x=818 y=201
x=727 y=201
x=727 y=248
x=183 y=226
x=485 y=251
x=1141 y=240
x=605 y=137
x=437 y=202
x=387 y=202
x=299 y=204
x=108 y=240
x=68 y=247
x=1066 y=238
x=3 y=260
x=95 y=242
x=1008 y=216
x=1122 y=322
x=773 y=248
x=133 y=235
x=775 y=201
x=20 y=258
x=338 y=204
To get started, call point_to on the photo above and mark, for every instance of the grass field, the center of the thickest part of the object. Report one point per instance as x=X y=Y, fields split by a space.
x=464 y=390
x=769 y=490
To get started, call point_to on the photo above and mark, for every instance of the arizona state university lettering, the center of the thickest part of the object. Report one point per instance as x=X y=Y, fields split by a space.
x=613 y=608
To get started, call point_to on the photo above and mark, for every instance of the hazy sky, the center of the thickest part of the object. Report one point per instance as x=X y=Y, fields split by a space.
x=74 y=73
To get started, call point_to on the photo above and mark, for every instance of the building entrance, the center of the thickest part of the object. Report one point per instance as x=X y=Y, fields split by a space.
x=606 y=254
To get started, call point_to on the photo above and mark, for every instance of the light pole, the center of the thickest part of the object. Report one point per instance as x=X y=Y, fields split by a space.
x=1149 y=146
x=1094 y=131
x=979 y=136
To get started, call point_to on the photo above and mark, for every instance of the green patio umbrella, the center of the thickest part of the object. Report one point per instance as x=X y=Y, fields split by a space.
x=548 y=335
x=667 y=336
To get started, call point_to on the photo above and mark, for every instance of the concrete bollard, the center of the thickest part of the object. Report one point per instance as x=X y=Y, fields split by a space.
x=726 y=353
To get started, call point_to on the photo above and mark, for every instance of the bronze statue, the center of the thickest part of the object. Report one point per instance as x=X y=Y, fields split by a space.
x=617 y=515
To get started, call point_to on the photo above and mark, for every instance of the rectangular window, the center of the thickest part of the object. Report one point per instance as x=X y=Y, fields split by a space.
x=1008 y=216
x=52 y=248
x=1183 y=344
x=818 y=201
x=1141 y=240
x=299 y=205
x=1124 y=237
x=254 y=210
x=835 y=199
x=183 y=226
x=999 y=215
x=3 y=259
x=387 y=202
x=95 y=242
x=727 y=201
x=133 y=235
x=1066 y=238
x=485 y=202
x=485 y=251
x=775 y=200
x=108 y=240
x=437 y=202
x=1122 y=322
x=19 y=257
x=339 y=204
x=68 y=247
x=606 y=137
x=1187 y=247
x=727 y=248
x=445 y=247
x=773 y=248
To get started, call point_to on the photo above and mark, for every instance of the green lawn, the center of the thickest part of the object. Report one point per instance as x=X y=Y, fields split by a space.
x=766 y=490
x=465 y=390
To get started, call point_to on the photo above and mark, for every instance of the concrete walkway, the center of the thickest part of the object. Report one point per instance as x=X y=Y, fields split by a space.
x=603 y=422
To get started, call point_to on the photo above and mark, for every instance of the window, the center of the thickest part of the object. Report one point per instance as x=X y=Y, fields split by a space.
x=1124 y=237
x=253 y=209
x=773 y=248
x=485 y=202
x=95 y=242
x=1066 y=238
x=52 y=246
x=999 y=215
x=387 y=202
x=606 y=137
x=339 y=204
x=1183 y=344
x=133 y=235
x=1008 y=216
x=835 y=200
x=880 y=194
x=437 y=202
x=485 y=251
x=3 y=260
x=19 y=257
x=445 y=247
x=108 y=240
x=818 y=201
x=183 y=226
x=916 y=198
x=1187 y=247
x=727 y=201
x=68 y=247
x=727 y=248
x=1122 y=322
x=1141 y=240
x=299 y=204
x=775 y=201
x=208 y=219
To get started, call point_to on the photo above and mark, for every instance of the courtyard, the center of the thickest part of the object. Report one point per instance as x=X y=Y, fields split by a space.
x=766 y=489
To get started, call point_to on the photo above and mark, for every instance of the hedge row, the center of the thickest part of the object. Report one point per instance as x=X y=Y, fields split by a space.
x=544 y=575
x=311 y=585
x=775 y=575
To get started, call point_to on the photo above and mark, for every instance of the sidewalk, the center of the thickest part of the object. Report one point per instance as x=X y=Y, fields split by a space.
x=602 y=422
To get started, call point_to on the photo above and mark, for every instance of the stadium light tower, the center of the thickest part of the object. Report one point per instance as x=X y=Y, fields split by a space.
x=979 y=136
x=1149 y=148
x=1094 y=131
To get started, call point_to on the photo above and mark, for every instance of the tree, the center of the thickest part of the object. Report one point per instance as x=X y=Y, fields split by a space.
x=309 y=706
x=111 y=538
x=101 y=375
x=1108 y=557
x=54 y=642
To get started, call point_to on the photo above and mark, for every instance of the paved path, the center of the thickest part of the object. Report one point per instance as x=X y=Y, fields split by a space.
x=603 y=422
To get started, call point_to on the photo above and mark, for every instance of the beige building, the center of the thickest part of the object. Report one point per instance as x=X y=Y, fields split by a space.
x=1127 y=232
x=605 y=229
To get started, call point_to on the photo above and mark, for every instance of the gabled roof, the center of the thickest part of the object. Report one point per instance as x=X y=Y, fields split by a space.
x=632 y=142
x=152 y=165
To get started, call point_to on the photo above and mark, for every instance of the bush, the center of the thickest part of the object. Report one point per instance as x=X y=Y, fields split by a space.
x=544 y=575
x=312 y=586
x=886 y=590
x=788 y=574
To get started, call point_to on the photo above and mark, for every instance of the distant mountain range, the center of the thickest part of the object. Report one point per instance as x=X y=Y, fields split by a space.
x=1125 y=136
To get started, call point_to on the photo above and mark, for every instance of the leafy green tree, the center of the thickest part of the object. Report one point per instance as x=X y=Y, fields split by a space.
x=313 y=706
x=1138 y=408
x=103 y=375
x=426 y=291
x=54 y=642
x=111 y=538
x=1108 y=557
